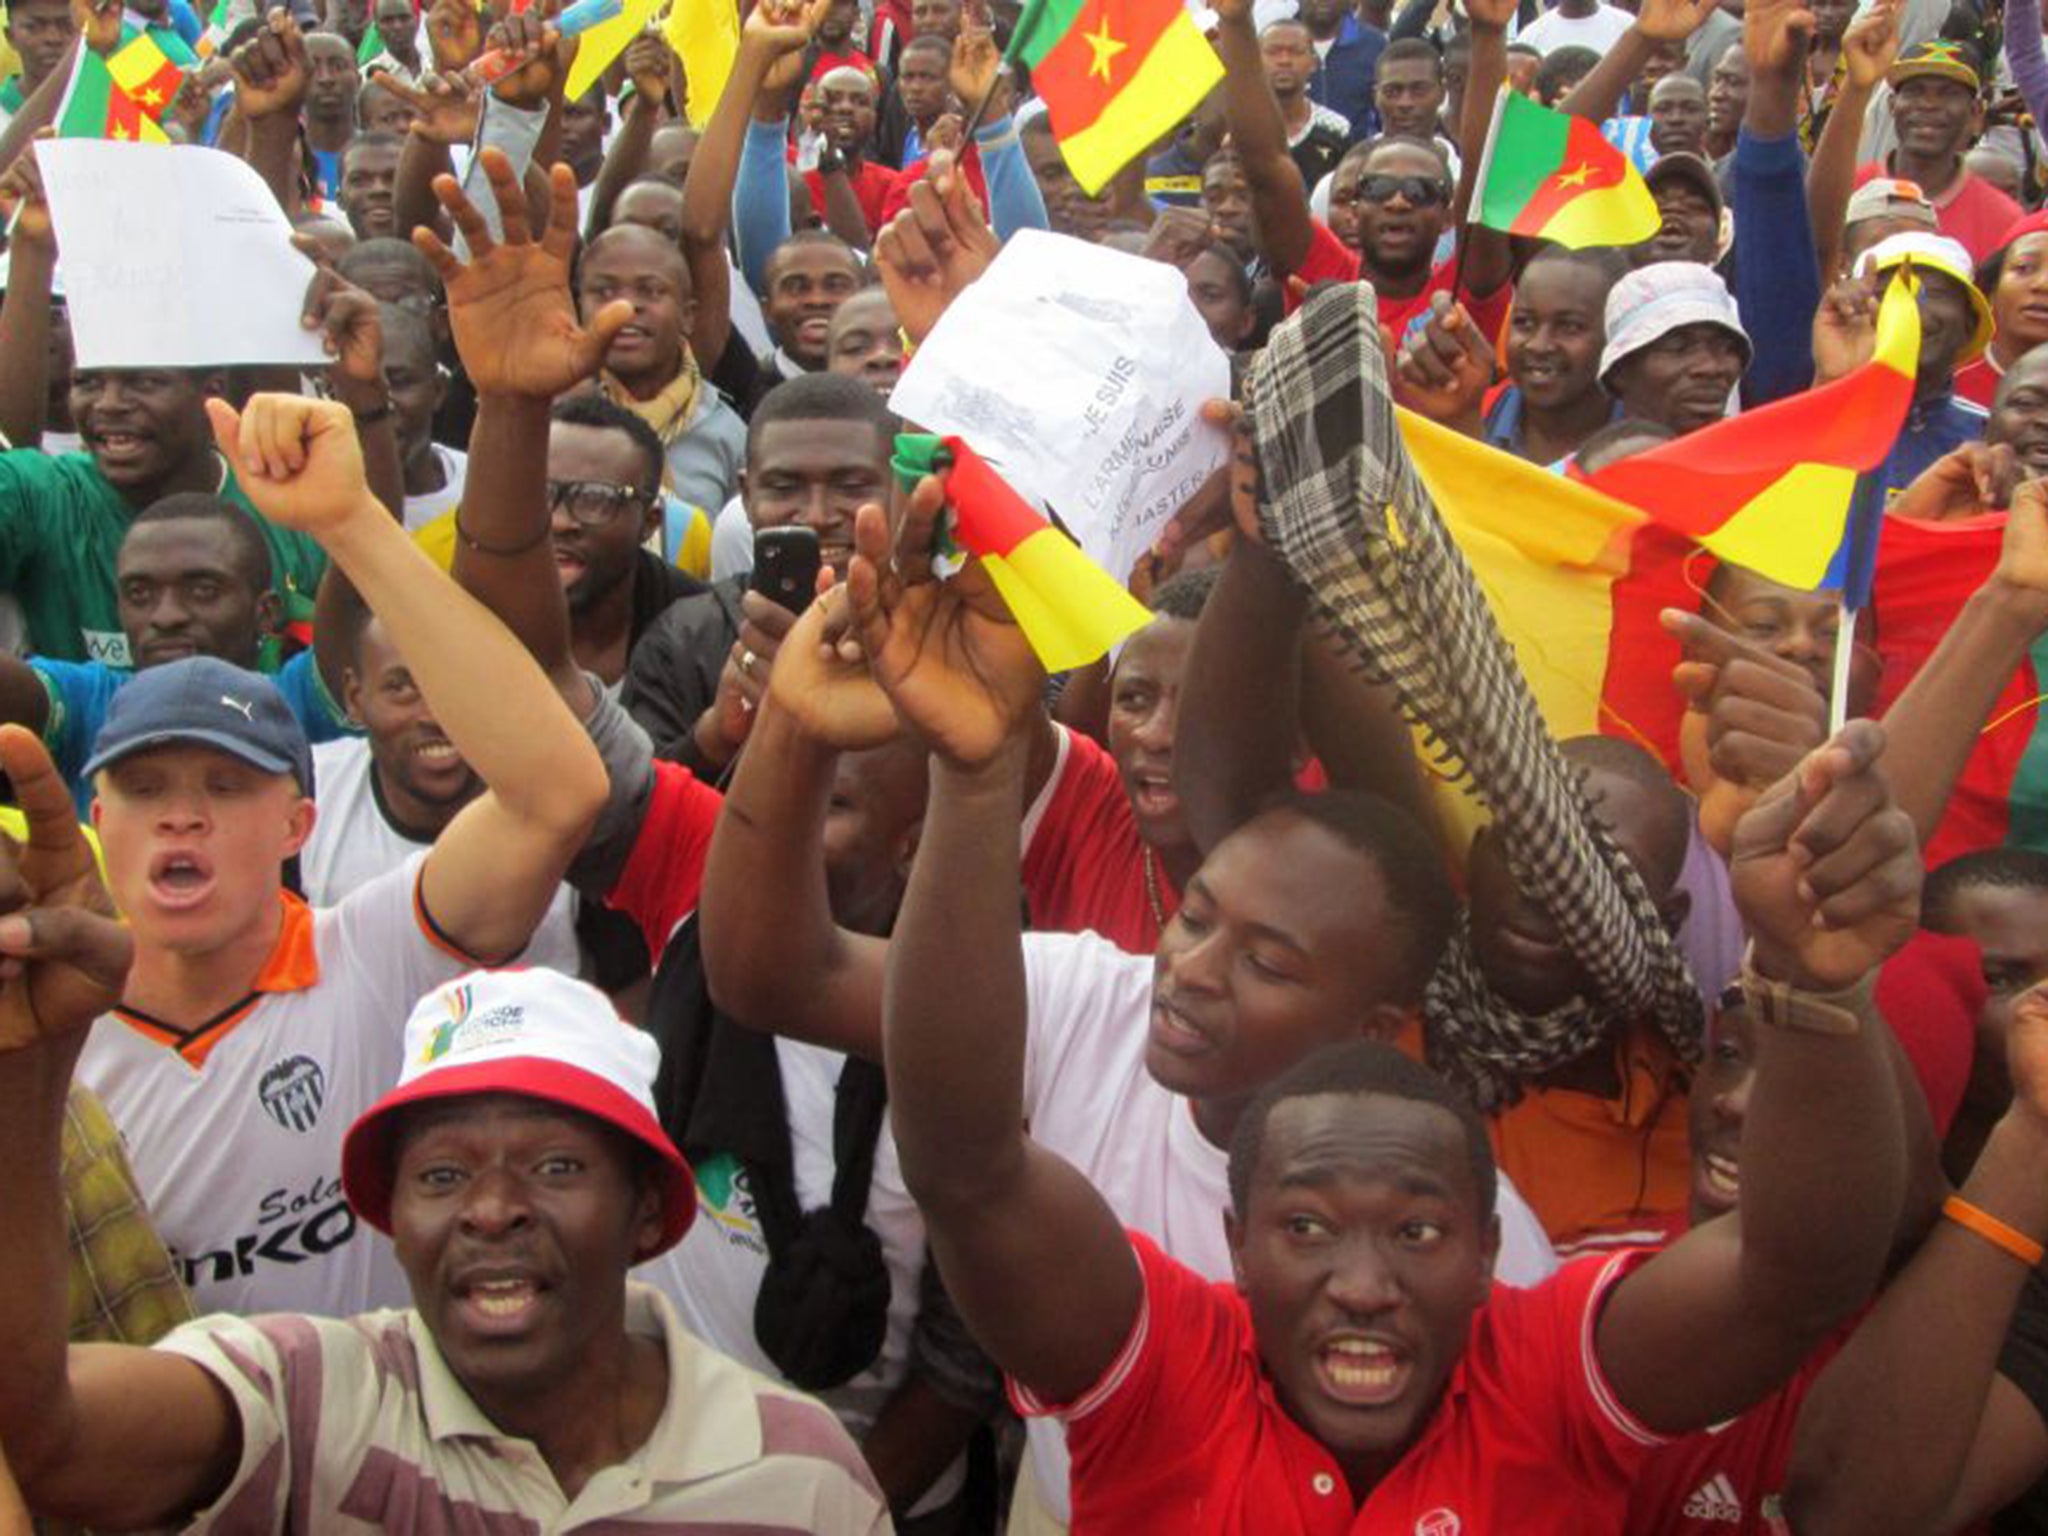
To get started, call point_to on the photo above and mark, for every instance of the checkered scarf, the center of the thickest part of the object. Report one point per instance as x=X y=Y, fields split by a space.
x=1344 y=508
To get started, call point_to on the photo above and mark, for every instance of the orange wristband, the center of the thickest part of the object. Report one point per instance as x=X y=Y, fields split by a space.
x=1992 y=1230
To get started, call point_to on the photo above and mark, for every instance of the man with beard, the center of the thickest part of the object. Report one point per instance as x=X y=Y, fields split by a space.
x=604 y=494
x=1397 y=188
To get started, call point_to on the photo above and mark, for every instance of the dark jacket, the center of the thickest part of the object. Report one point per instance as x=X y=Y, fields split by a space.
x=673 y=675
x=1343 y=80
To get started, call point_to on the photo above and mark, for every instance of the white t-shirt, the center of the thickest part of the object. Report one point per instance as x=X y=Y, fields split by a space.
x=1554 y=30
x=1088 y=1097
x=234 y=1129
x=422 y=509
x=354 y=842
x=714 y=1275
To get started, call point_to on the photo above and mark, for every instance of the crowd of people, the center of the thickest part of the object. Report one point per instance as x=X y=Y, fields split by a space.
x=561 y=968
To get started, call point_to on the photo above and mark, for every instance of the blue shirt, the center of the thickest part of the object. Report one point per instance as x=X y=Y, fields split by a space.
x=81 y=692
x=1344 y=78
x=1502 y=427
x=1935 y=426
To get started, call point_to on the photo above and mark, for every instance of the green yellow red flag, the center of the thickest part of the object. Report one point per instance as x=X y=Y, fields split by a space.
x=146 y=73
x=1069 y=608
x=1552 y=176
x=95 y=107
x=1115 y=75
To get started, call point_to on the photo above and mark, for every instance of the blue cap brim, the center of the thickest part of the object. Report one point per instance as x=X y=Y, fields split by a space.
x=268 y=762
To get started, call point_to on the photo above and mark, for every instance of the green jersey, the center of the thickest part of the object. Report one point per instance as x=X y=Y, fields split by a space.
x=61 y=525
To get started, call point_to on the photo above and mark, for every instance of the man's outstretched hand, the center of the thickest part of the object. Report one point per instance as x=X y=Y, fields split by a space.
x=63 y=955
x=934 y=248
x=509 y=305
x=1826 y=868
x=953 y=662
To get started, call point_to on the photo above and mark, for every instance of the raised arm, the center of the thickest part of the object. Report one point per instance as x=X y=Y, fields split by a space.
x=1870 y=1459
x=1487 y=260
x=760 y=186
x=271 y=75
x=67 y=1415
x=1935 y=723
x=446 y=109
x=774 y=958
x=25 y=312
x=516 y=332
x=1777 y=286
x=1827 y=878
x=1240 y=707
x=1868 y=48
x=1033 y=1257
x=494 y=869
x=1281 y=224
x=625 y=157
x=1598 y=96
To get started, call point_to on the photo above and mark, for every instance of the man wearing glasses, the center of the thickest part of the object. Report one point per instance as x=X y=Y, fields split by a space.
x=605 y=501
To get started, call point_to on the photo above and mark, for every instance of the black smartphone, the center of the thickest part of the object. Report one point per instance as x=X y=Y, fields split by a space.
x=786 y=564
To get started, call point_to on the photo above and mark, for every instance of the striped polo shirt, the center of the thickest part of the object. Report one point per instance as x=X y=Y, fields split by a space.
x=358 y=1425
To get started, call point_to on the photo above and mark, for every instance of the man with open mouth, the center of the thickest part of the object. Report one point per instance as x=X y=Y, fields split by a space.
x=519 y=1169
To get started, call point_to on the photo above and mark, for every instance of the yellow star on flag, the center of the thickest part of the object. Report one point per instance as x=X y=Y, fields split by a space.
x=121 y=133
x=150 y=97
x=1578 y=176
x=1105 y=48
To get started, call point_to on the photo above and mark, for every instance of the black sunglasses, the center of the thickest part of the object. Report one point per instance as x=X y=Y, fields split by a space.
x=1419 y=191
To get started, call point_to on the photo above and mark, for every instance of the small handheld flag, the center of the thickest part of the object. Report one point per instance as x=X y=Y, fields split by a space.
x=1553 y=176
x=1069 y=608
x=603 y=42
x=146 y=73
x=95 y=107
x=1771 y=489
x=1115 y=76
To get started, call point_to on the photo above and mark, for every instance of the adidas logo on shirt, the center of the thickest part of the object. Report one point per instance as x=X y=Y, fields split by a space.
x=1715 y=1499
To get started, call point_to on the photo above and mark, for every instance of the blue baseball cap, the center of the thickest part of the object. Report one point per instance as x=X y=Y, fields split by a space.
x=210 y=703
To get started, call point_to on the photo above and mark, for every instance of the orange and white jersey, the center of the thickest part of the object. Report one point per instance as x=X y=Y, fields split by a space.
x=234 y=1127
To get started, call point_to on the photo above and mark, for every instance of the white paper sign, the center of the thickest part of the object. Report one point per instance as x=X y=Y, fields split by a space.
x=1080 y=372
x=174 y=257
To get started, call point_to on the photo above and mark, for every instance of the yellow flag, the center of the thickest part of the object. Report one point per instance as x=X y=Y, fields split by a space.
x=706 y=37
x=605 y=42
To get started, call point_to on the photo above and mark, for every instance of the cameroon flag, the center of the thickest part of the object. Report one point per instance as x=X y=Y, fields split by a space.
x=1552 y=175
x=1070 y=609
x=95 y=107
x=145 y=73
x=1115 y=75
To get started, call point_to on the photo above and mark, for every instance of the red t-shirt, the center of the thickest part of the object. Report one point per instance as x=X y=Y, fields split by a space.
x=664 y=874
x=1084 y=863
x=1977 y=382
x=1972 y=211
x=1331 y=260
x=1183 y=1436
x=871 y=184
x=913 y=173
x=1729 y=1480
